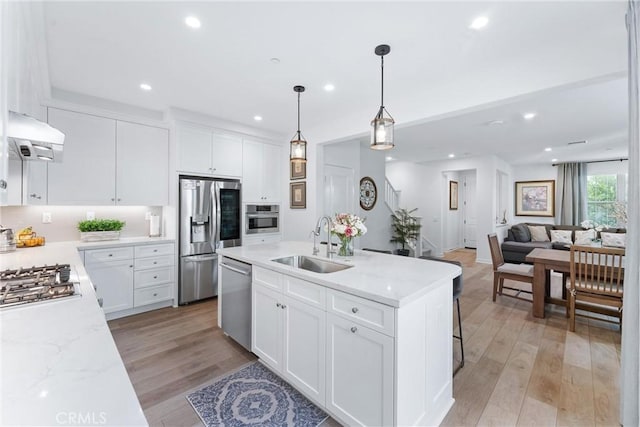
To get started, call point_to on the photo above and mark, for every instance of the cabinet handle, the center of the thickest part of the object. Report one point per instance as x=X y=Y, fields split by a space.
x=354 y=310
x=155 y=250
x=100 y=302
x=277 y=304
x=155 y=277
x=119 y=199
x=113 y=199
x=35 y=196
x=155 y=295
x=283 y=306
x=155 y=262
x=354 y=329
x=110 y=254
x=131 y=266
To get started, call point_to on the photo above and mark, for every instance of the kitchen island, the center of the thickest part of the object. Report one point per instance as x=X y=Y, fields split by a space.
x=371 y=343
x=59 y=363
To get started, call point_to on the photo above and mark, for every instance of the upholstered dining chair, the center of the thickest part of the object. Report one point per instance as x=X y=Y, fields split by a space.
x=457 y=291
x=506 y=270
x=597 y=276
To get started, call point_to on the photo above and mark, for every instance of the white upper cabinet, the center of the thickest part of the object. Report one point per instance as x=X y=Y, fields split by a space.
x=142 y=165
x=261 y=165
x=86 y=175
x=202 y=150
x=108 y=162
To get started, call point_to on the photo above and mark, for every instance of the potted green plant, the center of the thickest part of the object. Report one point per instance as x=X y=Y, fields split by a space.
x=92 y=230
x=406 y=229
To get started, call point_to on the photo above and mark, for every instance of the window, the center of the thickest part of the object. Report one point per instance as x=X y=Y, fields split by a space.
x=604 y=192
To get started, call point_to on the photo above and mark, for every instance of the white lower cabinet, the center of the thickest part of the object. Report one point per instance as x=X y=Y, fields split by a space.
x=359 y=373
x=364 y=362
x=289 y=334
x=129 y=278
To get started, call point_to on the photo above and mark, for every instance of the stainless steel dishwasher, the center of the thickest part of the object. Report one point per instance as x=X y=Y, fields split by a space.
x=236 y=300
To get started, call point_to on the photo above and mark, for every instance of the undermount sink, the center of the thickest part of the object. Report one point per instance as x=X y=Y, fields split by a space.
x=312 y=264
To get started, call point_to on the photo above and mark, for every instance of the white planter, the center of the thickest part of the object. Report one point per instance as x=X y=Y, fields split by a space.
x=96 y=236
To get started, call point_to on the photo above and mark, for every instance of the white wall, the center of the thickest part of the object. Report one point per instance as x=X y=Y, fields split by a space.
x=425 y=187
x=452 y=219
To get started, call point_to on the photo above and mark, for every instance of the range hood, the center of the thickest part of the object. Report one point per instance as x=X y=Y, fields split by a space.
x=33 y=139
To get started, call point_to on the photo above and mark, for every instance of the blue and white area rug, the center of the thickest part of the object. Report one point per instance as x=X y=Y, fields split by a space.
x=254 y=396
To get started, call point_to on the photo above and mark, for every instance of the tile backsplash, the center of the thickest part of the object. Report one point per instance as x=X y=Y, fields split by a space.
x=64 y=219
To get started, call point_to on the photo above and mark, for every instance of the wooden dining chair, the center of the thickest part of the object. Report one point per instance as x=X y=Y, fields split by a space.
x=506 y=270
x=596 y=280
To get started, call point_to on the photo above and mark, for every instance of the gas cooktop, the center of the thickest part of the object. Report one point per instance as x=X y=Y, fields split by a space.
x=36 y=284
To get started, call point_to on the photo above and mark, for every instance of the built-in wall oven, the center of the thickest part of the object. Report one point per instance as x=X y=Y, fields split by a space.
x=262 y=219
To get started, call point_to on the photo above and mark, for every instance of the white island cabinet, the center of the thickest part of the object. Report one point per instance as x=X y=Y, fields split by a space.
x=371 y=344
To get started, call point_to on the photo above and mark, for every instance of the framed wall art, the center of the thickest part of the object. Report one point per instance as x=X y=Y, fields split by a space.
x=298 y=170
x=298 y=195
x=453 y=195
x=535 y=198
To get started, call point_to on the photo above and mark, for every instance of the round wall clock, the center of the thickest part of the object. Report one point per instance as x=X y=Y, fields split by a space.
x=368 y=193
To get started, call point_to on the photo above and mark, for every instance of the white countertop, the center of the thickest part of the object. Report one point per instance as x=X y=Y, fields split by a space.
x=59 y=363
x=388 y=279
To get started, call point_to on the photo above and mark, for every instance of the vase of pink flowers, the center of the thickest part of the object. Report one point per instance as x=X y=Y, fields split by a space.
x=347 y=226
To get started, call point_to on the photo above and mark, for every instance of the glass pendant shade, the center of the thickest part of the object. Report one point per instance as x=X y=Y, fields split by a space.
x=298 y=147
x=382 y=131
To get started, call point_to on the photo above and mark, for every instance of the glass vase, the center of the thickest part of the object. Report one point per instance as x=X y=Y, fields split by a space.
x=346 y=246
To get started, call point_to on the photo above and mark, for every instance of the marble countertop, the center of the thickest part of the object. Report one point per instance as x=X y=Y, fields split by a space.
x=59 y=363
x=388 y=279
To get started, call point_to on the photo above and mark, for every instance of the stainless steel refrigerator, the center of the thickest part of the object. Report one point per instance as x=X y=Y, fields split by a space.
x=209 y=219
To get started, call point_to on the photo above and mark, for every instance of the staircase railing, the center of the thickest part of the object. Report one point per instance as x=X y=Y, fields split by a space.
x=391 y=196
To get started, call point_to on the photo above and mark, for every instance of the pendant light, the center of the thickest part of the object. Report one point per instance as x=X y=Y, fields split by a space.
x=382 y=123
x=298 y=151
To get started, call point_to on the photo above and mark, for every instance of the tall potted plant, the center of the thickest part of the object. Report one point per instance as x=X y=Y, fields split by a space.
x=406 y=229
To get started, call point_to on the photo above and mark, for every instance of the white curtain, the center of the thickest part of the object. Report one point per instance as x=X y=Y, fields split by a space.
x=629 y=396
x=571 y=193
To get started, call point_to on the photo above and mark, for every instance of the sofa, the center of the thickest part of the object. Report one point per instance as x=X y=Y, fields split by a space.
x=518 y=243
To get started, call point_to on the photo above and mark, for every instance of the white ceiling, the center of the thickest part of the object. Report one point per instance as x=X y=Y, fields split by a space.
x=437 y=67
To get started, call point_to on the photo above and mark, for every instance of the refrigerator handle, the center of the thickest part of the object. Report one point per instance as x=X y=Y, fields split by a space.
x=215 y=203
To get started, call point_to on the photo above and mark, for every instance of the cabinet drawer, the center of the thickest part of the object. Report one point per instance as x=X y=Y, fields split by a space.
x=305 y=291
x=157 y=276
x=374 y=315
x=151 y=295
x=94 y=256
x=267 y=277
x=153 y=250
x=154 y=262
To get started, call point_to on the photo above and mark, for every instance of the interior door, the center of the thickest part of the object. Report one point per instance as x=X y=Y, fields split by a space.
x=470 y=221
x=338 y=190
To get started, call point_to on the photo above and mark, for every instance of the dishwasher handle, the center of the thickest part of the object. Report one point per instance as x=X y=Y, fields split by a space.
x=237 y=270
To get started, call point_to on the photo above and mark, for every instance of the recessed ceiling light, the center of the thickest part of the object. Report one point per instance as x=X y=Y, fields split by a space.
x=145 y=86
x=388 y=158
x=554 y=160
x=451 y=156
x=257 y=118
x=529 y=116
x=192 y=22
x=329 y=87
x=479 y=23
x=496 y=122
x=547 y=149
x=275 y=60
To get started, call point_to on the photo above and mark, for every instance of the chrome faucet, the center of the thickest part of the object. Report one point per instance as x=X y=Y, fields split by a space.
x=317 y=231
x=315 y=242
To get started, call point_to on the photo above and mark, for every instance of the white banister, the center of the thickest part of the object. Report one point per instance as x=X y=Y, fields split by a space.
x=391 y=196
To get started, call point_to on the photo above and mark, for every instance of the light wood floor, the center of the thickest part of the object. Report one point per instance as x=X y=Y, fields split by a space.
x=518 y=370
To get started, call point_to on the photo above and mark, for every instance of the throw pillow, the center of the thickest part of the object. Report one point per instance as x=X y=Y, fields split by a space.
x=521 y=233
x=538 y=233
x=584 y=237
x=561 y=236
x=618 y=240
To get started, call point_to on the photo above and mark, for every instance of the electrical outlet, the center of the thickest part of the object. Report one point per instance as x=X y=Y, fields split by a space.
x=46 y=217
x=147 y=216
x=91 y=215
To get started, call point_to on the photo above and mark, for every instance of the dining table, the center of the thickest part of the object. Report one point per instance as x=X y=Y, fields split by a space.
x=544 y=261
